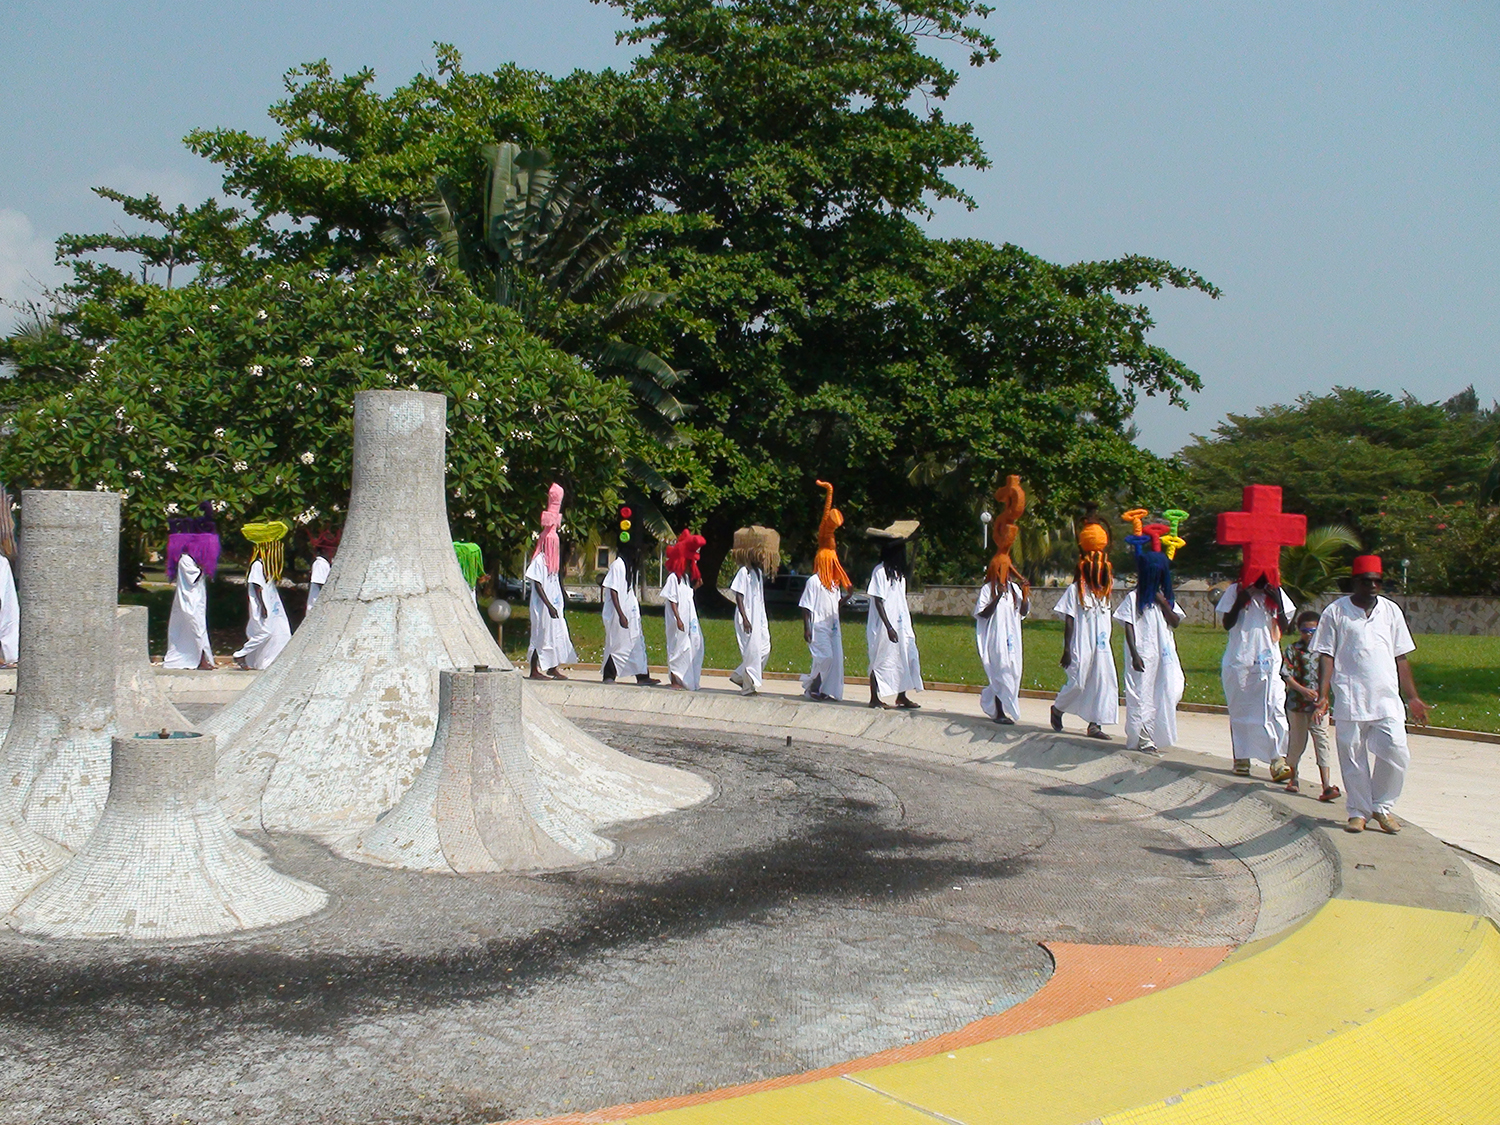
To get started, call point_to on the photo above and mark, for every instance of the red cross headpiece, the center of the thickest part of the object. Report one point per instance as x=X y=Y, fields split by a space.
x=1261 y=530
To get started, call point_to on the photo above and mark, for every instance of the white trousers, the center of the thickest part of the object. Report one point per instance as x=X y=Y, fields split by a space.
x=1369 y=789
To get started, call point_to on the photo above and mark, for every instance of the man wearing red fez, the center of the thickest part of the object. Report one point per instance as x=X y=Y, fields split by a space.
x=1362 y=642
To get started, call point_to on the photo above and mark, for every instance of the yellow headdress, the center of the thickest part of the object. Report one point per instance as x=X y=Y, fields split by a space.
x=267 y=537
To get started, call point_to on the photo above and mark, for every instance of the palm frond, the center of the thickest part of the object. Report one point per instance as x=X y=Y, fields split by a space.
x=638 y=470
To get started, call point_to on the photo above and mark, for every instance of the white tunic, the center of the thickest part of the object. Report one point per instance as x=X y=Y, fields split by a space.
x=550 y=639
x=895 y=665
x=999 y=639
x=1092 y=689
x=319 y=575
x=685 y=645
x=187 y=627
x=1251 y=670
x=827 y=644
x=1151 y=695
x=10 y=614
x=1364 y=647
x=755 y=646
x=265 y=634
x=627 y=644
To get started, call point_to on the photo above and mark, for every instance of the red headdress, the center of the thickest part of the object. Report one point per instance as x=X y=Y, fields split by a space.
x=826 y=563
x=682 y=556
x=1012 y=501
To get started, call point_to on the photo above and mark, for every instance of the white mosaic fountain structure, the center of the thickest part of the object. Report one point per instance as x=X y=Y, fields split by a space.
x=140 y=702
x=163 y=863
x=54 y=763
x=334 y=733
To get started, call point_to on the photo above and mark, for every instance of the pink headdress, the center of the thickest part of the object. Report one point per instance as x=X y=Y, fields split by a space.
x=548 y=545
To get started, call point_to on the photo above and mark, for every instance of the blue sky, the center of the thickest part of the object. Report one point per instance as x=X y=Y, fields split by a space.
x=1333 y=167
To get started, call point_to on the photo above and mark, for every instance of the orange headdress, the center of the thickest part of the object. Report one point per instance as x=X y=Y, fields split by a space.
x=1012 y=500
x=1095 y=573
x=826 y=563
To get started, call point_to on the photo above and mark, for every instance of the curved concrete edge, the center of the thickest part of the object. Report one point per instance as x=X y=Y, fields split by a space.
x=1367 y=1012
x=1296 y=867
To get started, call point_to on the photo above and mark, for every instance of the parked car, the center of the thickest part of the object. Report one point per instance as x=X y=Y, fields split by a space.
x=857 y=602
x=785 y=589
x=519 y=590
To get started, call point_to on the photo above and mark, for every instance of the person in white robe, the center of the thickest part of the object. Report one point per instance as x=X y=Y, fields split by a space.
x=321 y=569
x=826 y=588
x=551 y=645
x=998 y=613
x=267 y=631
x=757 y=553
x=895 y=664
x=684 y=637
x=1004 y=600
x=1362 y=644
x=10 y=616
x=1092 y=688
x=1255 y=618
x=188 y=645
x=1154 y=682
x=624 y=639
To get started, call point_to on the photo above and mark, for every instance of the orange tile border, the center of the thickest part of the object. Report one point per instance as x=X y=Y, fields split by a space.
x=1085 y=978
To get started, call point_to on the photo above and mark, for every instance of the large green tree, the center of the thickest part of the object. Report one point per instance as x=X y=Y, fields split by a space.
x=1409 y=477
x=241 y=393
x=768 y=165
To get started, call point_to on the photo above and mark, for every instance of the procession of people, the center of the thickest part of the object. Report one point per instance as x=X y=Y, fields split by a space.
x=1347 y=666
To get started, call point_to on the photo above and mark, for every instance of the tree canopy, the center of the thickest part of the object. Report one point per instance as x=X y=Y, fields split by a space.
x=766 y=165
x=1409 y=477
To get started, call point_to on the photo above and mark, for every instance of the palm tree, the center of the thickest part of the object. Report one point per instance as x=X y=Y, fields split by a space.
x=1314 y=568
x=542 y=245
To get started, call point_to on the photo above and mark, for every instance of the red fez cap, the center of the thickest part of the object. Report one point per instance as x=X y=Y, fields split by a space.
x=1366 y=564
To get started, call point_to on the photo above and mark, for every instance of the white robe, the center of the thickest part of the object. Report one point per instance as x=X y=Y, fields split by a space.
x=1251 y=671
x=999 y=640
x=827 y=644
x=755 y=646
x=896 y=665
x=319 y=575
x=627 y=645
x=1151 y=695
x=685 y=645
x=265 y=635
x=550 y=639
x=1092 y=689
x=10 y=614
x=187 y=627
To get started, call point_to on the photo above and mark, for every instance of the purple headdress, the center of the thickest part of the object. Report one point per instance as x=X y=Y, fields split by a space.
x=197 y=536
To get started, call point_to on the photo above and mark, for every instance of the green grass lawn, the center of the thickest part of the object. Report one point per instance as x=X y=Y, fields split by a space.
x=1458 y=676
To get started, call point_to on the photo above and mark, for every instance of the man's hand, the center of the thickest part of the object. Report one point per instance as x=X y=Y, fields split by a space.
x=744 y=623
x=1136 y=662
x=1067 y=657
x=1321 y=711
x=624 y=623
x=1419 y=711
x=890 y=632
x=807 y=632
x=552 y=609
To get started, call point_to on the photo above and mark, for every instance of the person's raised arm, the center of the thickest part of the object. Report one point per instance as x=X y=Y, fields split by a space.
x=1025 y=601
x=1419 y=710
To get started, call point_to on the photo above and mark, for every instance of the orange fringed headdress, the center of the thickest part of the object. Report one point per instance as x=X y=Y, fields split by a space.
x=1095 y=573
x=826 y=563
x=1012 y=501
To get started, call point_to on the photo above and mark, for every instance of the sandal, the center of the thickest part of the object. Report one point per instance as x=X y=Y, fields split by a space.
x=1332 y=793
x=1293 y=787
